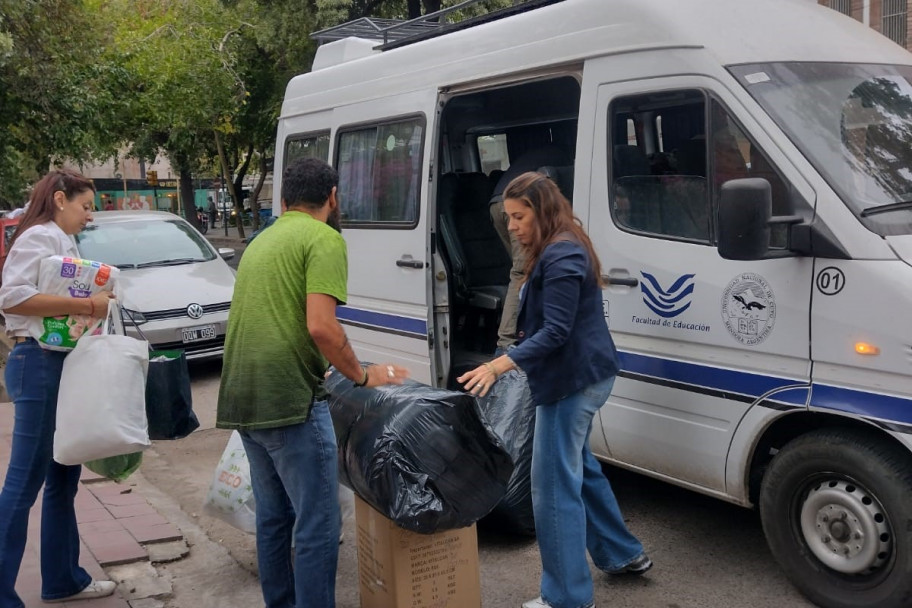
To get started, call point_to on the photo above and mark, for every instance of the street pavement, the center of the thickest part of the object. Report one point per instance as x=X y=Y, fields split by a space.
x=708 y=554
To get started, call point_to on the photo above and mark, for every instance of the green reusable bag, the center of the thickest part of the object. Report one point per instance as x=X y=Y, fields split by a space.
x=117 y=468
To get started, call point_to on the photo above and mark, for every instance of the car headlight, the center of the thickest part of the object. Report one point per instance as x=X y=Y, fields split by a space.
x=133 y=317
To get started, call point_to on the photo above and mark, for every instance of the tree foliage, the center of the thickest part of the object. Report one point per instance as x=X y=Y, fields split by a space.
x=183 y=80
x=82 y=79
x=56 y=92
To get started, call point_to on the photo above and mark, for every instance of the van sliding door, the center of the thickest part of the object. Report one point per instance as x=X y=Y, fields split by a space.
x=380 y=153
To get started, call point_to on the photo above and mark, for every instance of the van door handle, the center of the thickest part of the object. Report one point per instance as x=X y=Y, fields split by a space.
x=626 y=281
x=409 y=263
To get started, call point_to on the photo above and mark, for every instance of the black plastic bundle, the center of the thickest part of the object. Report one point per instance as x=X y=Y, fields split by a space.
x=510 y=411
x=424 y=457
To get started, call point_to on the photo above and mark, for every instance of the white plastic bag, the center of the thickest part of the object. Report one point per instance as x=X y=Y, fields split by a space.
x=64 y=276
x=230 y=496
x=101 y=406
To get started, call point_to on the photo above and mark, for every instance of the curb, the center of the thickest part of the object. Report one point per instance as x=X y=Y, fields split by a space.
x=229 y=242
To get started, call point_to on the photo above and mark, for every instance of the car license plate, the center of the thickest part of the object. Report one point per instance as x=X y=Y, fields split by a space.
x=202 y=332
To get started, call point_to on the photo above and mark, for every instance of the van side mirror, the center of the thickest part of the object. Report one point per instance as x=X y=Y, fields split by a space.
x=745 y=210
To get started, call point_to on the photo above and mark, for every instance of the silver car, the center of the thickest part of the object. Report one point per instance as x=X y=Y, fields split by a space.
x=175 y=287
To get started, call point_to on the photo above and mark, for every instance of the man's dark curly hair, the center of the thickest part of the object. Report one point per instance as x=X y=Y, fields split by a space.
x=308 y=182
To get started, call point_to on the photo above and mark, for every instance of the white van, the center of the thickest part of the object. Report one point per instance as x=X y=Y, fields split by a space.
x=745 y=171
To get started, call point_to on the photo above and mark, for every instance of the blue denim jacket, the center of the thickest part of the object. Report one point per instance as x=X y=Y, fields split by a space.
x=563 y=342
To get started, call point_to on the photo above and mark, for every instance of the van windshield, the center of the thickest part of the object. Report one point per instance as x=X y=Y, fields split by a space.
x=854 y=124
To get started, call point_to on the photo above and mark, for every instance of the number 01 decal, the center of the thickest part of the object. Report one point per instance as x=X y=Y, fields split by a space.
x=830 y=281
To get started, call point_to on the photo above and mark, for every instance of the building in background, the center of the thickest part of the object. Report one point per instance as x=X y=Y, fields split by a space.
x=129 y=183
x=889 y=17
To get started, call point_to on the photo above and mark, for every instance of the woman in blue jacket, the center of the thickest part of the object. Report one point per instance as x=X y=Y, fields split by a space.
x=567 y=353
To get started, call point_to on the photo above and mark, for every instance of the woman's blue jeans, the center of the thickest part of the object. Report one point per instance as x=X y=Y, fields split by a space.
x=574 y=506
x=32 y=381
x=293 y=470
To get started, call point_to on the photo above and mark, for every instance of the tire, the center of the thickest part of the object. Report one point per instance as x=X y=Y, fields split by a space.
x=836 y=507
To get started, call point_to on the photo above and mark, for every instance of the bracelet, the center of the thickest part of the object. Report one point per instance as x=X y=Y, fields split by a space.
x=491 y=369
x=92 y=304
x=364 y=379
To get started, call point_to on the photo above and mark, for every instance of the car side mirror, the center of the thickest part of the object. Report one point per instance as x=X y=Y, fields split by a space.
x=745 y=210
x=226 y=253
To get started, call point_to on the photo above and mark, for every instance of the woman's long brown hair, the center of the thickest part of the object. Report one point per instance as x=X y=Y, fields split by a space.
x=41 y=203
x=554 y=219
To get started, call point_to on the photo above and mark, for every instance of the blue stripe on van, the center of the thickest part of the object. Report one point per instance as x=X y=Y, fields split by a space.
x=888 y=411
x=862 y=403
x=408 y=326
x=740 y=385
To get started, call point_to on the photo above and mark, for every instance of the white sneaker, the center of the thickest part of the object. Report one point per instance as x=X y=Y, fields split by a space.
x=540 y=603
x=95 y=589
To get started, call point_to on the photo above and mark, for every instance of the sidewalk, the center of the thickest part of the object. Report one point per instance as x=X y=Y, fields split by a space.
x=117 y=526
x=119 y=531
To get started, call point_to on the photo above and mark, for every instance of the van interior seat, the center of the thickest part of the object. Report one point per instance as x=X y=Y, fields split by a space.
x=669 y=204
x=637 y=198
x=478 y=261
x=562 y=176
x=691 y=157
x=630 y=160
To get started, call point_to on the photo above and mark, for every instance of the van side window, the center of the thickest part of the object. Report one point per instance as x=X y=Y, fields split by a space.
x=379 y=173
x=664 y=181
x=659 y=174
x=307 y=146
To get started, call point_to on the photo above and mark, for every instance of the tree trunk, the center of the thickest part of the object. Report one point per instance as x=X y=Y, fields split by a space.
x=185 y=188
x=255 y=193
x=187 y=197
x=232 y=191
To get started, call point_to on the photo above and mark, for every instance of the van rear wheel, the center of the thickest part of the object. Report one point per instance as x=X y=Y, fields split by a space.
x=835 y=510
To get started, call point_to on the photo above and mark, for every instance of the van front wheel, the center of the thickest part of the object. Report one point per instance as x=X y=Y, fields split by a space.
x=835 y=510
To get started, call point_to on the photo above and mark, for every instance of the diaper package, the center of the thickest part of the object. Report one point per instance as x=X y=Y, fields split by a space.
x=64 y=276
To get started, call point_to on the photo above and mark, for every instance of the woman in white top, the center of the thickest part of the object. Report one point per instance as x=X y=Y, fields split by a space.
x=61 y=205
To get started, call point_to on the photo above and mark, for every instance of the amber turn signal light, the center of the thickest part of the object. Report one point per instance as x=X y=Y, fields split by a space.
x=863 y=348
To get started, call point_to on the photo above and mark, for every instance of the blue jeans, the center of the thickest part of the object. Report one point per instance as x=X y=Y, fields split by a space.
x=32 y=380
x=574 y=506
x=293 y=470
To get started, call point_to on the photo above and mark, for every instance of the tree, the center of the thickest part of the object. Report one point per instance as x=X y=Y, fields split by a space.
x=273 y=52
x=57 y=94
x=182 y=81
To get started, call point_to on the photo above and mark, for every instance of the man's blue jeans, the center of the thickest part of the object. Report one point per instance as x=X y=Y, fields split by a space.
x=32 y=380
x=293 y=470
x=575 y=508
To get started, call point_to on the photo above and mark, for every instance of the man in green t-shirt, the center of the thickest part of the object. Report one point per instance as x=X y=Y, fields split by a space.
x=282 y=334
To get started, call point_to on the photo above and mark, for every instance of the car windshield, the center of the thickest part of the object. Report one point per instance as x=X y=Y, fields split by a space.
x=143 y=243
x=854 y=124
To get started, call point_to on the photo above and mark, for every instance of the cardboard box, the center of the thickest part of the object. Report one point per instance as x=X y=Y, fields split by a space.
x=402 y=569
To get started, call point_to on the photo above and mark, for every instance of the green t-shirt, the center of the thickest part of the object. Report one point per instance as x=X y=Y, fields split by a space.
x=272 y=370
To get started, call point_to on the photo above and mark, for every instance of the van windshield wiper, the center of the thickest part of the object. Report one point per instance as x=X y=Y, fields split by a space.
x=172 y=262
x=886 y=208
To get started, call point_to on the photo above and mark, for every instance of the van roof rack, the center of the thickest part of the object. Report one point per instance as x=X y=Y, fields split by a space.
x=393 y=33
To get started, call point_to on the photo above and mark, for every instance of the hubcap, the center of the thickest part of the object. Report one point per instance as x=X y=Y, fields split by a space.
x=845 y=527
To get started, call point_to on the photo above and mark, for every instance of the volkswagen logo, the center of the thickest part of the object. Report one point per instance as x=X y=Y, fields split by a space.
x=195 y=311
